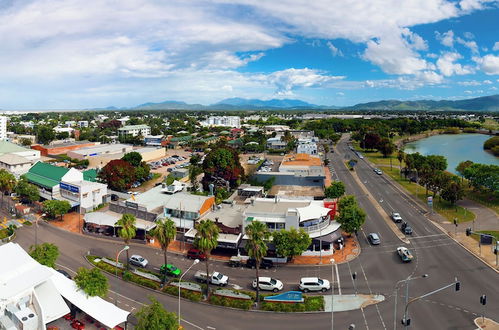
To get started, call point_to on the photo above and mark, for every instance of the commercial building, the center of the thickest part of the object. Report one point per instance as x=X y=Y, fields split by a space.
x=16 y=159
x=3 y=128
x=61 y=148
x=153 y=140
x=275 y=143
x=306 y=146
x=275 y=128
x=134 y=130
x=302 y=165
x=100 y=150
x=225 y=121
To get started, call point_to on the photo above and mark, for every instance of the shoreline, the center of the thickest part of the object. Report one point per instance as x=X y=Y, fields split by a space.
x=412 y=138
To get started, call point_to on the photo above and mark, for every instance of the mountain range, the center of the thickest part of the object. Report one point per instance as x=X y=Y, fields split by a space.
x=484 y=103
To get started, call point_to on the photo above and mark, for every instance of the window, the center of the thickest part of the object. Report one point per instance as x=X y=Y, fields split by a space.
x=85 y=195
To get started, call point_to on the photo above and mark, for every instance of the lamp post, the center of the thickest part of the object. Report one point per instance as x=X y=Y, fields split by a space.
x=332 y=293
x=36 y=228
x=407 y=280
x=180 y=280
x=116 y=267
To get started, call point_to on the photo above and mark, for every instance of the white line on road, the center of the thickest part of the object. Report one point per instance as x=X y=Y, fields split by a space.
x=338 y=277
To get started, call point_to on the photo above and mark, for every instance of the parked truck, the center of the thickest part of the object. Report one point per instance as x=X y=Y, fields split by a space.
x=215 y=278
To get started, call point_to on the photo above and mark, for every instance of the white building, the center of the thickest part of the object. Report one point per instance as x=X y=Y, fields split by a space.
x=83 y=123
x=306 y=146
x=3 y=128
x=16 y=159
x=68 y=130
x=226 y=121
x=134 y=130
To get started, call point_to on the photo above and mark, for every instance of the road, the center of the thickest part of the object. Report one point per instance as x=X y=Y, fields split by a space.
x=378 y=269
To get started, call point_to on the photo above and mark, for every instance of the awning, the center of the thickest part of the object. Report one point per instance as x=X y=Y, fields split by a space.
x=99 y=309
x=51 y=303
x=100 y=218
x=312 y=211
x=330 y=238
x=144 y=224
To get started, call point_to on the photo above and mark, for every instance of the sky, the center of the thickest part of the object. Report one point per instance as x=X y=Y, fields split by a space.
x=75 y=54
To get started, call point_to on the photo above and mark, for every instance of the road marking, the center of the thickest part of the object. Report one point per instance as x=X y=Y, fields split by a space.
x=434 y=235
x=364 y=316
x=192 y=324
x=338 y=277
x=208 y=327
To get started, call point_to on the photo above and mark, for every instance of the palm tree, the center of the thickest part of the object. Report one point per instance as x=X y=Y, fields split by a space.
x=165 y=233
x=258 y=235
x=127 y=230
x=7 y=182
x=206 y=240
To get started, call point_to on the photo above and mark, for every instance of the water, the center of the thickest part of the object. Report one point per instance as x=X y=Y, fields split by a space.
x=455 y=147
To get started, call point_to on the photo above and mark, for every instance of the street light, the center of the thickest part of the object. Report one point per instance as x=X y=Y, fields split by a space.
x=116 y=267
x=332 y=292
x=36 y=228
x=196 y=261
x=407 y=280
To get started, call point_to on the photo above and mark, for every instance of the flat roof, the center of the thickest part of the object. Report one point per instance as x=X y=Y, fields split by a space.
x=8 y=147
x=129 y=127
x=300 y=160
x=102 y=148
x=13 y=159
x=65 y=144
x=269 y=206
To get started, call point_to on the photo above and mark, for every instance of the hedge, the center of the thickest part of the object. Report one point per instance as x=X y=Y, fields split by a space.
x=230 y=302
x=311 y=304
x=184 y=293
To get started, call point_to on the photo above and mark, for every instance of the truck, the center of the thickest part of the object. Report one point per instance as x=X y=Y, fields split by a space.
x=215 y=278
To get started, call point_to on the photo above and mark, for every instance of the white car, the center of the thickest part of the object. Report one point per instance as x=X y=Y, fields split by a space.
x=396 y=217
x=378 y=171
x=314 y=284
x=139 y=261
x=268 y=283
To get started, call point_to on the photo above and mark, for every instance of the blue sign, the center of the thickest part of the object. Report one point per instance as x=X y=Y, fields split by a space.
x=69 y=187
x=290 y=297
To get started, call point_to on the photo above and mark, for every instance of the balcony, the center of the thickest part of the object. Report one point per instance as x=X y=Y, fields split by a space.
x=317 y=227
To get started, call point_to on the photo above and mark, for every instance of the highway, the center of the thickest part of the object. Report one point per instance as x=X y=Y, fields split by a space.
x=378 y=269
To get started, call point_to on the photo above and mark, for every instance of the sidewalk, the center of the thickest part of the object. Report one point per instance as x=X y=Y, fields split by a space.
x=350 y=302
x=349 y=252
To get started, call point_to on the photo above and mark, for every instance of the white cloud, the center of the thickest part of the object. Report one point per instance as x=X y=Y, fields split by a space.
x=446 y=38
x=469 y=83
x=472 y=45
x=496 y=46
x=421 y=79
x=489 y=64
x=493 y=88
x=287 y=80
x=448 y=68
x=487 y=82
x=340 y=94
x=469 y=35
x=335 y=51
x=468 y=92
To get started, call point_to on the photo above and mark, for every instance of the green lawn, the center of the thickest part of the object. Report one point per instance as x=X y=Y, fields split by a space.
x=485 y=198
x=444 y=208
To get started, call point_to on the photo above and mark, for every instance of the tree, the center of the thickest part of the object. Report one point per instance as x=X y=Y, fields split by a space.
x=142 y=171
x=56 y=207
x=335 y=190
x=400 y=157
x=155 y=316
x=483 y=176
x=165 y=233
x=133 y=158
x=386 y=147
x=7 y=182
x=26 y=142
x=45 y=134
x=436 y=162
x=222 y=167
x=46 y=253
x=346 y=201
x=258 y=235
x=127 y=230
x=291 y=243
x=371 y=140
x=118 y=174
x=92 y=282
x=194 y=171
x=351 y=218
x=27 y=191
x=463 y=166
x=453 y=192
x=206 y=240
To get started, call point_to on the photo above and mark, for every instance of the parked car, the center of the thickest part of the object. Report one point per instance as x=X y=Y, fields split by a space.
x=406 y=228
x=404 y=254
x=374 y=239
x=236 y=261
x=396 y=217
x=265 y=263
x=196 y=254
x=314 y=284
x=215 y=278
x=268 y=283
x=169 y=169
x=170 y=269
x=139 y=261
x=114 y=197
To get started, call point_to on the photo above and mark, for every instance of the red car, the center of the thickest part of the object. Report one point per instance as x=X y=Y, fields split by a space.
x=196 y=254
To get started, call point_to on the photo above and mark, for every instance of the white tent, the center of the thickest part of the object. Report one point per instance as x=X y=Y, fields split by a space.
x=312 y=211
x=99 y=309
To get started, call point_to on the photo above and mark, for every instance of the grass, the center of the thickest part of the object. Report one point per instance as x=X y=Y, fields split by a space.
x=487 y=199
x=311 y=304
x=444 y=208
x=494 y=233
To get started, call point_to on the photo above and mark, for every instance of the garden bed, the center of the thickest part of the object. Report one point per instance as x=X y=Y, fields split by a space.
x=310 y=304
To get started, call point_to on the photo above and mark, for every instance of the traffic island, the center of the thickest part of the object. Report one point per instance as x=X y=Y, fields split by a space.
x=349 y=302
x=486 y=323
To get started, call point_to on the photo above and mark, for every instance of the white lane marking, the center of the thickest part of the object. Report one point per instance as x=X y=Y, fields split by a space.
x=208 y=327
x=364 y=316
x=338 y=277
x=425 y=236
x=192 y=324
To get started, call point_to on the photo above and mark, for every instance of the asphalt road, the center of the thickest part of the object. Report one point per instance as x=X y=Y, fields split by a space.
x=378 y=268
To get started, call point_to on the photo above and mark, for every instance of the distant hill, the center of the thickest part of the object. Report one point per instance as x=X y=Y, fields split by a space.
x=484 y=103
x=274 y=103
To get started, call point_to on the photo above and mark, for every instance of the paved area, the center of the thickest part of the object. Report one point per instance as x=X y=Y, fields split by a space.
x=486 y=323
x=349 y=252
x=350 y=302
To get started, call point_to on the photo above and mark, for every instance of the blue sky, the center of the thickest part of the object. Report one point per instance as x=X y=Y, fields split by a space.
x=65 y=54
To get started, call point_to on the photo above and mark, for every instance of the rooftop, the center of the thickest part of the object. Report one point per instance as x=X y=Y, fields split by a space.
x=130 y=127
x=65 y=144
x=13 y=159
x=46 y=175
x=301 y=160
x=8 y=147
x=274 y=206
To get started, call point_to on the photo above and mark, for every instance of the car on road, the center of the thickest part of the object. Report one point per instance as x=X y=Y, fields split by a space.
x=216 y=278
x=170 y=269
x=265 y=263
x=406 y=228
x=396 y=217
x=378 y=171
x=114 y=197
x=405 y=254
x=196 y=254
x=268 y=284
x=314 y=284
x=374 y=239
x=139 y=261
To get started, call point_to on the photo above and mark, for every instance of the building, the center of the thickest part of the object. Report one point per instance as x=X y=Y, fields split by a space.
x=134 y=130
x=153 y=140
x=269 y=129
x=61 y=183
x=68 y=130
x=100 y=150
x=3 y=128
x=35 y=296
x=185 y=209
x=16 y=159
x=225 y=121
x=306 y=146
x=83 y=123
x=61 y=148
x=275 y=143
x=303 y=165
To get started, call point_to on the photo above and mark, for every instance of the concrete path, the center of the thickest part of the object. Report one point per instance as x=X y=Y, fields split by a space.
x=349 y=302
x=486 y=218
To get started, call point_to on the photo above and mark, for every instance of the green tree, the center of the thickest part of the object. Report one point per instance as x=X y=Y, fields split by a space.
x=346 y=201
x=462 y=166
x=92 y=282
x=56 y=207
x=45 y=134
x=46 y=253
x=194 y=171
x=258 y=235
x=27 y=191
x=127 y=230
x=7 y=182
x=155 y=316
x=291 y=243
x=26 y=142
x=452 y=192
x=165 y=233
x=142 y=171
x=386 y=147
x=400 y=157
x=134 y=158
x=222 y=167
x=335 y=190
x=351 y=218
x=206 y=240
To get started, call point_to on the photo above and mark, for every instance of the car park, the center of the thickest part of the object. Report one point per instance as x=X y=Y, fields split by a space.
x=314 y=284
x=374 y=239
x=139 y=261
x=396 y=217
x=265 y=263
x=268 y=284
x=406 y=228
x=404 y=254
x=170 y=269
x=196 y=254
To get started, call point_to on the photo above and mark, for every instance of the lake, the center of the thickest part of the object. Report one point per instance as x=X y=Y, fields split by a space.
x=455 y=147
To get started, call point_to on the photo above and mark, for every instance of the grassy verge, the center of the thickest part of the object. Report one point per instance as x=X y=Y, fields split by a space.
x=231 y=302
x=184 y=293
x=487 y=199
x=311 y=304
x=444 y=208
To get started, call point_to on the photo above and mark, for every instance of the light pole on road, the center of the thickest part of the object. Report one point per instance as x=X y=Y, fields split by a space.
x=407 y=280
x=180 y=280
x=116 y=267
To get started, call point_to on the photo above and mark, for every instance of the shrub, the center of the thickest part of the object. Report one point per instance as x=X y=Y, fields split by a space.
x=230 y=302
x=311 y=303
x=187 y=294
x=127 y=276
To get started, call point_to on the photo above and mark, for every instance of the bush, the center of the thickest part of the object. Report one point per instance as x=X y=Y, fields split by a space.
x=311 y=304
x=230 y=302
x=187 y=294
x=127 y=276
x=27 y=223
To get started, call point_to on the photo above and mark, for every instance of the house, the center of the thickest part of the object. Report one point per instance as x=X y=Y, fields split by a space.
x=134 y=130
x=226 y=121
x=275 y=143
x=16 y=159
